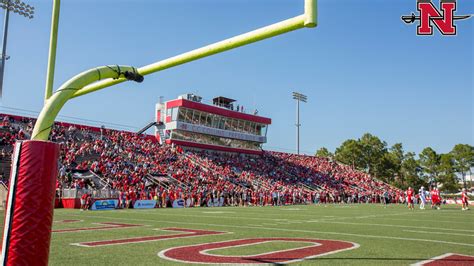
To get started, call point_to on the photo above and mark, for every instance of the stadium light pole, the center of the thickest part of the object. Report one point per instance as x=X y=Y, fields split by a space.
x=15 y=6
x=299 y=98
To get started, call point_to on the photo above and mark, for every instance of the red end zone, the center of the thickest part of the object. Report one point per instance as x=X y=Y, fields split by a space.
x=449 y=259
x=198 y=253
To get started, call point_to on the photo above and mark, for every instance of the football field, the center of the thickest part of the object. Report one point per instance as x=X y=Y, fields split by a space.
x=324 y=234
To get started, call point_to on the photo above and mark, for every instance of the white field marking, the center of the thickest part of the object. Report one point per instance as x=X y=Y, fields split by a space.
x=206 y=251
x=295 y=222
x=290 y=209
x=417 y=220
x=298 y=214
x=162 y=255
x=280 y=220
x=444 y=214
x=354 y=217
x=289 y=230
x=438 y=233
x=255 y=225
x=145 y=241
x=438 y=258
x=399 y=226
x=105 y=227
x=378 y=215
x=301 y=215
x=268 y=224
x=154 y=212
x=271 y=219
x=220 y=217
x=217 y=212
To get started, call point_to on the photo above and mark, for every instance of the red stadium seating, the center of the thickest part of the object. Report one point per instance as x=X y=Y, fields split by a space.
x=139 y=167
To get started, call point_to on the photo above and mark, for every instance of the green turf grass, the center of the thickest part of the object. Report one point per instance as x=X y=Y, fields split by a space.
x=387 y=236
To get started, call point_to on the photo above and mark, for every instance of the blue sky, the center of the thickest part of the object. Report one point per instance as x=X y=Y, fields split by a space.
x=362 y=68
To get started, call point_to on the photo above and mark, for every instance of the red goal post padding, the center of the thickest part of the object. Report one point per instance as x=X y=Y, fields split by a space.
x=29 y=209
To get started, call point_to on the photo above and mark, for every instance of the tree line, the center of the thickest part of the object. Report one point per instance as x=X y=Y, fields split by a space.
x=402 y=169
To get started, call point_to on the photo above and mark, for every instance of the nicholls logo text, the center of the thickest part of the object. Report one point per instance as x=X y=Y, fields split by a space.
x=443 y=18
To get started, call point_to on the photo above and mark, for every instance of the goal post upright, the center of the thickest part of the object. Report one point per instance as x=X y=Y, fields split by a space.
x=311 y=13
x=53 y=42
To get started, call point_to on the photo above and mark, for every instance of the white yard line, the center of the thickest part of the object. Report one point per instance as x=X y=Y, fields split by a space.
x=208 y=216
x=432 y=259
x=270 y=219
x=438 y=233
x=397 y=226
x=296 y=214
x=354 y=217
x=268 y=224
x=438 y=258
x=216 y=212
x=290 y=209
x=285 y=230
x=426 y=220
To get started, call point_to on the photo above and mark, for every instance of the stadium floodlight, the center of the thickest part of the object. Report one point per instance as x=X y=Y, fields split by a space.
x=17 y=7
x=299 y=98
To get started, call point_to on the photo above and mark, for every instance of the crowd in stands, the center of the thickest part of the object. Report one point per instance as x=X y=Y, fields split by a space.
x=138 y=167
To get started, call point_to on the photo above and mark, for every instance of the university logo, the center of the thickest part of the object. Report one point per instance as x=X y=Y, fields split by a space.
x=443 y=18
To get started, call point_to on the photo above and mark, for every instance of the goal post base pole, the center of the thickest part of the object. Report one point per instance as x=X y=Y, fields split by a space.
x=30 y=201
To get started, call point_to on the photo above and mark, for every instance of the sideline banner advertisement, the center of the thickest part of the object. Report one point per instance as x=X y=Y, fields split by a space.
x=179 y=203
x=221 y=201
x=101 y=205
x=144 y=204
x=216 y=202
x=189 y=203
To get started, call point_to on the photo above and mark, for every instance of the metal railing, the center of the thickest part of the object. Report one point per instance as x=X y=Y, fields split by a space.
x=96 y=193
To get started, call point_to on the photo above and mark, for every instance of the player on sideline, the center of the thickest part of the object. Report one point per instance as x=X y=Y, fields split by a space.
x=422 y=194
x=410 y=198
x=464 y=199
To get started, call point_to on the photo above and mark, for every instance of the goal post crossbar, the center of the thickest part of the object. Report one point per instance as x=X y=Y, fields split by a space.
x=106 y=76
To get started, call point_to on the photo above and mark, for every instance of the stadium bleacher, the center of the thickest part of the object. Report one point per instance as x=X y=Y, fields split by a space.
x=138 y=167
